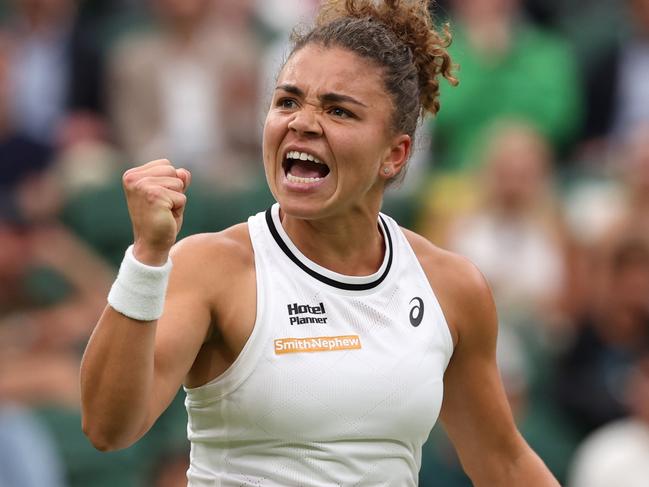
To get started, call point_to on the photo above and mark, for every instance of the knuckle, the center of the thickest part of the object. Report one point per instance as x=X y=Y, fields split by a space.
x=152 y=194
x=139 y=185
x=129 y=179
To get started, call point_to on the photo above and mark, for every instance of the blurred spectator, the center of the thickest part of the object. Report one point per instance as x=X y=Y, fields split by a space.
x=540 y=423
x=22 y=436
x=51 y=289
x=512 y=229
x=617 y=89
x=508 y=68
x=37 y=176
x=187 y=90
x=600 y=209
x=278 y=18
x=21 y=157
x=589 y=25
x=51 y=286
x=609 y=337
x=634 y=166
x=56 y=69
x=617 y=453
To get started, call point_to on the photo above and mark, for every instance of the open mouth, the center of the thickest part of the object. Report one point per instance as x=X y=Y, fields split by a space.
x=302 y=167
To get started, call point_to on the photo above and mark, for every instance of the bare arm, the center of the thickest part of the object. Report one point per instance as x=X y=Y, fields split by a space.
x=475 y=411
x=131 y=370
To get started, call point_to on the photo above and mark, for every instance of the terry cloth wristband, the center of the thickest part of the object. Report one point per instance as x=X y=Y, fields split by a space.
x=139 y=290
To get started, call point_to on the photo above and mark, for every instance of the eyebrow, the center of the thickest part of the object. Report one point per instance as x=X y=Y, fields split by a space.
x=325 y=97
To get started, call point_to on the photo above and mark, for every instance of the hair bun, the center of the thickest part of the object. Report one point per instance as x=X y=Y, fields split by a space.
x=411 y=23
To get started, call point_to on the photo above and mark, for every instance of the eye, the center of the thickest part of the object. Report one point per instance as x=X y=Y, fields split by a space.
x=286 y=103
x=340 y=112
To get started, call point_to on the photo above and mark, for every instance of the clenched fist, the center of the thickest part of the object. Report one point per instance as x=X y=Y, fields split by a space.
x=155 y=195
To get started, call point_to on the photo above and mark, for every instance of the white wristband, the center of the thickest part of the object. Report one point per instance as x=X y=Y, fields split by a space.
x=139 y=290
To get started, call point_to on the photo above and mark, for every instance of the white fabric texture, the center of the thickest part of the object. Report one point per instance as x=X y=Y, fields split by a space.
x=139 y=290
x=340 y=381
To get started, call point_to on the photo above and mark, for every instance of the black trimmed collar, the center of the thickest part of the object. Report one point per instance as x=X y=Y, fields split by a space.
x=304 y=265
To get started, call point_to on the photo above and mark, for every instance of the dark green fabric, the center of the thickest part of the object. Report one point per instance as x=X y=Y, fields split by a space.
x=535 y=81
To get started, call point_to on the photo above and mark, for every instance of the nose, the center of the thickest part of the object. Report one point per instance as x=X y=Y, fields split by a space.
x=305 y=122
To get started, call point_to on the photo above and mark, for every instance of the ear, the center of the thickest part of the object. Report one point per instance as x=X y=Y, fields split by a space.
x=395 y=157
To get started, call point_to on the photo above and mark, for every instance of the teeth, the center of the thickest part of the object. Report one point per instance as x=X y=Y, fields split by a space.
x=295 y=179
x=303 y=156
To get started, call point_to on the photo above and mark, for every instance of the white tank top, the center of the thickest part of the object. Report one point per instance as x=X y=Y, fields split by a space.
x=340 y=381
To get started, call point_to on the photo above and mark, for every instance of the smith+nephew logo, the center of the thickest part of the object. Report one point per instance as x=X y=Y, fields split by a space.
x=295 y=310
x=317 y=344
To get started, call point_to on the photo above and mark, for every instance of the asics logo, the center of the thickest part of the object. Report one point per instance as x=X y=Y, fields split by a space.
x=416 y=312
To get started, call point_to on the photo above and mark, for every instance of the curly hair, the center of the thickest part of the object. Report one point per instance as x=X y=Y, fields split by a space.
x=399 y=36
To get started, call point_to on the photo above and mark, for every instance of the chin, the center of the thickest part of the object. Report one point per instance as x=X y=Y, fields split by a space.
x=306 y=207
x=301 y=208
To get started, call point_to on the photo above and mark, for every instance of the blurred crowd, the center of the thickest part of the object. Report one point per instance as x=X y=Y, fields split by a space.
x=536 y=169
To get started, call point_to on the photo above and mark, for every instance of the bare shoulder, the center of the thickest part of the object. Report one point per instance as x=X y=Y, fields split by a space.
x=213 y=258
x=460 y=287
x=225 y=249
x=454 y=270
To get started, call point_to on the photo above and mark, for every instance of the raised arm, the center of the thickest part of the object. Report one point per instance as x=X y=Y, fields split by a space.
x=131 y=369
x=475 y=411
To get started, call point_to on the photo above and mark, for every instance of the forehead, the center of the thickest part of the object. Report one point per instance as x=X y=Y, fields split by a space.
x=316 y=69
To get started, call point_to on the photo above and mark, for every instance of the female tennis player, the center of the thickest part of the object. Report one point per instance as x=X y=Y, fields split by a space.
x=318 y=342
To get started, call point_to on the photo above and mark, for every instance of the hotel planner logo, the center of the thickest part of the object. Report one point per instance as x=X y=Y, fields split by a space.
x=295 y=310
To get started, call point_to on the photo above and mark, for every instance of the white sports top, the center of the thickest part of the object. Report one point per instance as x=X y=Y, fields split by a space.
x=340 y=381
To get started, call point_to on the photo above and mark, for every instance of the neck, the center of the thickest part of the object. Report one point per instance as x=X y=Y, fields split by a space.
x=351 y=244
